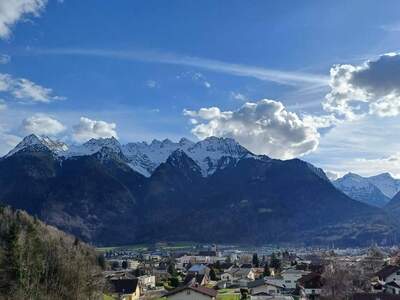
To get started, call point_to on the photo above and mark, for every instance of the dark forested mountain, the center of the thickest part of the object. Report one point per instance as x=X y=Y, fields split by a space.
x=394 y=205
x=213 y=190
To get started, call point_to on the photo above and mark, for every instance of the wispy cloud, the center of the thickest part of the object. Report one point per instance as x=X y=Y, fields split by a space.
x=265 y=74
x=391 y=27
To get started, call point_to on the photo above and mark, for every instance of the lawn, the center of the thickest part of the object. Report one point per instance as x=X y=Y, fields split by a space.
x=143 y=247
x=227 y=294
x=228 y=297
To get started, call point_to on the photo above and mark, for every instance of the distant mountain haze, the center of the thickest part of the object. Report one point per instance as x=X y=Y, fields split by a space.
x=375 y=190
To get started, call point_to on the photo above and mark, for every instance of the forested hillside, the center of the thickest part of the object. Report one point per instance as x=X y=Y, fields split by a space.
x=40 y=262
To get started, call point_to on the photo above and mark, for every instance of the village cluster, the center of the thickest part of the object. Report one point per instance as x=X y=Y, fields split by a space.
x=229 y=273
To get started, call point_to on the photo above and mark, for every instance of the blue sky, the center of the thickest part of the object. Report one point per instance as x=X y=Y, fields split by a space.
x=135 y=66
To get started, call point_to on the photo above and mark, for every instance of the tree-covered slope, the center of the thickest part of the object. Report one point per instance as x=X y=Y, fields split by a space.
x=40 y=262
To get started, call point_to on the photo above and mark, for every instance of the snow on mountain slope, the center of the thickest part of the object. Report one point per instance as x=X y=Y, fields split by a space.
x=40 y=143
x=361 y=189
x=92 y=146
x=388 y=185
x=209 y=154
x=145 y=158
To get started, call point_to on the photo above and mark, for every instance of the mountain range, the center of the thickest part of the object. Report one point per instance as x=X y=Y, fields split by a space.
x=376 y=190
x=214 y=190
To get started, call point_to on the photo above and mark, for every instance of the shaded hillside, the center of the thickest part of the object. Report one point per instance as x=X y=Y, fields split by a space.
x=393 y=206
x=99 y=197
x=260 y=201
x=41 y=262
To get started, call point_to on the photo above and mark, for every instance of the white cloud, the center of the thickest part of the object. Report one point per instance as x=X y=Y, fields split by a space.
x=42 y=124
x=87 y=129
x=3 y=105
x=370 y=88
x=265 y=74
x=391 y=27
x=238 y=96
x=204 y=113
x=7 y=142
x=371 y=166
x=26 y=90
x=195 y=77
x=11 y=11
x=4 y=59
x=264 y=127
x=359 y=146
x=332 y=175
x=151 y=84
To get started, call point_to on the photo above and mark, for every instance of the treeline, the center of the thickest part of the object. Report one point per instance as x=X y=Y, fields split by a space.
x=40 y=262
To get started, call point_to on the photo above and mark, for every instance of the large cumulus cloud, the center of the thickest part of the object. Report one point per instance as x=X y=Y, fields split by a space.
x=42 y=124
x=370 y=88
x=264 y=127
x=87 y=129
x=11 y=11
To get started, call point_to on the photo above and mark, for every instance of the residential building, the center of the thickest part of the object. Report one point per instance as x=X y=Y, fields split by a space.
x=364 y=296
x=260 y=286
x=291 y=276
x=125 y=288
x=388 y=274
x=392 y=288
x=310 y=286
x=147 y=282
x=192 y=293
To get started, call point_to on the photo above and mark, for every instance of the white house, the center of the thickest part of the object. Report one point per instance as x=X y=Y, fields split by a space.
x=237 y=274
x=389 y=274
x=227 y=276
x=147 y=282
x=392 y=288
x=266 y=296
x=260 y=286
x=192 y=293
x=291 y=276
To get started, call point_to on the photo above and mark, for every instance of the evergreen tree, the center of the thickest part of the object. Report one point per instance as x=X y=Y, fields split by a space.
x=266 y=272
x=213 y=276
x=124 y=264
x=174 y=281
x=256 y=261
x=275 y=262
x=9 y=268
x=171 y=269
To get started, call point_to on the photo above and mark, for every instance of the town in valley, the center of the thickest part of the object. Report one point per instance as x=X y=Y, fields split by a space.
x=195 y=271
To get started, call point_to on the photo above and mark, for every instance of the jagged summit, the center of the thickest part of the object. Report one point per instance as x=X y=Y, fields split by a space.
x=209 y=154
x=375 y=190
x=37 y=143
x=179 y=159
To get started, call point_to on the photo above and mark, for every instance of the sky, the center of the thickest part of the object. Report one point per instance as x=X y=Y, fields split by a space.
x=318 y=80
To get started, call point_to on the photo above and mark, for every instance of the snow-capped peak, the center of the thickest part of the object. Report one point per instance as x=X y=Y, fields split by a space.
x=226 y=146
x=209 y=154
x=93 y=146
x=40 y=142
x=386 y=183
x=362 y=188
x=184 y=142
